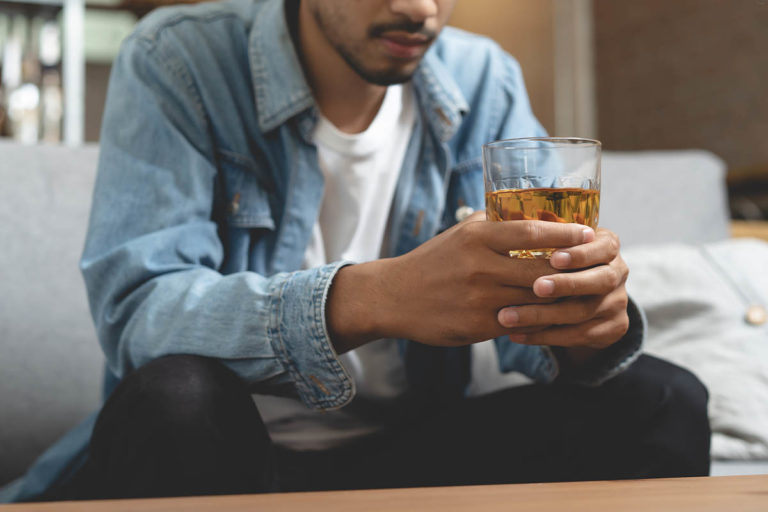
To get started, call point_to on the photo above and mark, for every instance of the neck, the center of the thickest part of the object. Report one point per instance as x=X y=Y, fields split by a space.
x=344 y=98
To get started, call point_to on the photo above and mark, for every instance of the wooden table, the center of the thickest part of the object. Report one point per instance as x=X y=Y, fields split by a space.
x=726 y=493
x=749 y=228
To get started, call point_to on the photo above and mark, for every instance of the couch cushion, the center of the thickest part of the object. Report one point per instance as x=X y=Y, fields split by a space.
x=50 y=362
x=653 y=197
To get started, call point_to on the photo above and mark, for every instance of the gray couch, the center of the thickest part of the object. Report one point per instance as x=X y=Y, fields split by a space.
x=50 y=361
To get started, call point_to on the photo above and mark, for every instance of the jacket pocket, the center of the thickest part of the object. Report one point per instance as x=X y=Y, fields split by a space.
x=246 y=193
x=246 y=222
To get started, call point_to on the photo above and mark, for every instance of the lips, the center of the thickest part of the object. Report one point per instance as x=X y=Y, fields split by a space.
x=404 y=45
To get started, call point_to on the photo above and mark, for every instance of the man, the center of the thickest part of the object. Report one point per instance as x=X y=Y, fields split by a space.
x=276 y=213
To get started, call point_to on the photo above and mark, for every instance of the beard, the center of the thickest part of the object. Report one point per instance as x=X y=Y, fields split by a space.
x=375 y=76
x=354 y=54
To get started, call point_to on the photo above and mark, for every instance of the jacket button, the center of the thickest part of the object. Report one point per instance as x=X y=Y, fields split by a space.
x=234 y=206
x=757 y=315
x=462 y=212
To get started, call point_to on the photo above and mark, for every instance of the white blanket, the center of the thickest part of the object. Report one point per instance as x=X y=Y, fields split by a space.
x=696 y=299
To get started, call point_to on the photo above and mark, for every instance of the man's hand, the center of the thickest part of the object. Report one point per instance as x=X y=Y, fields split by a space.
x=592 y=306
x=450 y=290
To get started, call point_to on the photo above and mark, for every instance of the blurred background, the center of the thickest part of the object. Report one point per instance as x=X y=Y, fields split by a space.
x=651 y=74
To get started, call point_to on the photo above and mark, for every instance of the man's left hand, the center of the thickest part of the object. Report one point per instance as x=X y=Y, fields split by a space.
x=592 y=308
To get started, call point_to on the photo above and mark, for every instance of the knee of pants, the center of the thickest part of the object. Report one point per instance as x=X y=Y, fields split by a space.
x=181 y=392
x=652 y=383
x=179 y=425
x=687 y=393
x=680 y=426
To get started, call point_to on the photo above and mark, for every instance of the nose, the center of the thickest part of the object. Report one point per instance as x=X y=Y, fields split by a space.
x=415 y=10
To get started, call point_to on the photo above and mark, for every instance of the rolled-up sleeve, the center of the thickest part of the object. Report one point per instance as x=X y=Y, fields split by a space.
x=153 y=251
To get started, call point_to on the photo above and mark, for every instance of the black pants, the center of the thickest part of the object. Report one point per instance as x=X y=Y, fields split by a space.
x=185 y=425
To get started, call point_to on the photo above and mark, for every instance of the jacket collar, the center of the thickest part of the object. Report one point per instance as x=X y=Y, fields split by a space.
x=442 y=102
x=280 y=89
x=282 y=92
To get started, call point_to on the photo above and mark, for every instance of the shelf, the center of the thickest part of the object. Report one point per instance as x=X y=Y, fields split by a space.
x=89 y=4
x=73 y=57
x=54 y=3
x=72 y=62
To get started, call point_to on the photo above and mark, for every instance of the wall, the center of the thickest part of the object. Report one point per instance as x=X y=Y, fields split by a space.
x=525 y=29
x=684 y=74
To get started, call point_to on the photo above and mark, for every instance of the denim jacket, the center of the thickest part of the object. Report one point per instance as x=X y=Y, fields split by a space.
x=208 y=189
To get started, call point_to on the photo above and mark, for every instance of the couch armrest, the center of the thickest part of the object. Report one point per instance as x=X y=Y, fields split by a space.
x=749 y=228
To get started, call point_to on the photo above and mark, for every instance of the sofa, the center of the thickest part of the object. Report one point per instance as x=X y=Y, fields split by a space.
x=51 y=365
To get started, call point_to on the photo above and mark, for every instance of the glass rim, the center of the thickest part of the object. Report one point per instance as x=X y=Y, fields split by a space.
x=562 y=141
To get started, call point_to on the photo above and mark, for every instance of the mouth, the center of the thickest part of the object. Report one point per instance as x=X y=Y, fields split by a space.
x=405 y=45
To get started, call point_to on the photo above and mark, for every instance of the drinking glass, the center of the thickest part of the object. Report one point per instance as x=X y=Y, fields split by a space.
x=554 y=179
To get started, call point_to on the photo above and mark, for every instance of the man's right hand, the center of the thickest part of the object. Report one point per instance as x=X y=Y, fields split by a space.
x=449 y=290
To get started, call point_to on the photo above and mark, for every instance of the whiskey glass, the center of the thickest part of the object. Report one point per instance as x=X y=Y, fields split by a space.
x=554 y=179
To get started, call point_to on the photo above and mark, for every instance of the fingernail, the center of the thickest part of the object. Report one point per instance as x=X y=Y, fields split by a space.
x=508 y=317
x=588 y=234
x=544 y=287
x=517 y=338
x=560 y=259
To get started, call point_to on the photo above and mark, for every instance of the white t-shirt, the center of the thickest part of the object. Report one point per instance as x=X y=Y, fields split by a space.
x=361 y=172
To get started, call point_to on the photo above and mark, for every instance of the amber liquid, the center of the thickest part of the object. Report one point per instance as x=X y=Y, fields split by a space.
x=578 y=205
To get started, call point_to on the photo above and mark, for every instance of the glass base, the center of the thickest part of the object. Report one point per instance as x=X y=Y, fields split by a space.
x=531 y=254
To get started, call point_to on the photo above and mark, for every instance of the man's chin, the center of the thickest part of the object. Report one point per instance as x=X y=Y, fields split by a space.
x=389 y=76
x=386 y=71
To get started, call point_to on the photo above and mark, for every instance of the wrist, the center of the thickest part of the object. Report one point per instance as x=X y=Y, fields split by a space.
x=578 y=356
x=354 y=312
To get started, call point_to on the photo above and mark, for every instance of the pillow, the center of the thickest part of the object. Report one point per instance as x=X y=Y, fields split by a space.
x=639 y=188
x=696 y=299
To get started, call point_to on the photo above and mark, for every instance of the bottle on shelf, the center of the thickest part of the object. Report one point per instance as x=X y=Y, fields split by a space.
x=51 y=95
x=31 y=104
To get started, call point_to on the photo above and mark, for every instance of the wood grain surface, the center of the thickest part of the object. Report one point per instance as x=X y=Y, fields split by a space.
x=731 y=493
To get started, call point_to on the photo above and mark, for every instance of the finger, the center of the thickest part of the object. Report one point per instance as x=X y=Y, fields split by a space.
x=570 y=311
x=596 y=333
x=523 y=297
x=476 y=216
x=528 y=330
x=604 y=249
x=492 y=298
x=517 y=272
x=505 y=236
x=510 y=296
x=574 y=311
x=490 y=269
x=600 y=280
